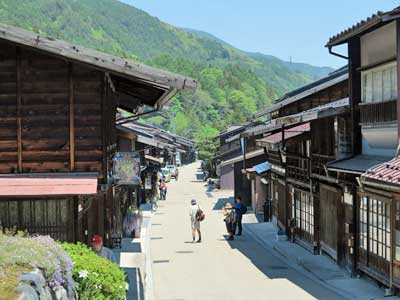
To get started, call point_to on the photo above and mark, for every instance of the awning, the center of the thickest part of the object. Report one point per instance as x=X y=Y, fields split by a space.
x=153 y=142
x=153 y=159
x=240 y=157
x=387 y=173
x=47 y=184
x=259 y=168
x=323 y=111
x=262 y=168
x=276 y=138
x=357 y=164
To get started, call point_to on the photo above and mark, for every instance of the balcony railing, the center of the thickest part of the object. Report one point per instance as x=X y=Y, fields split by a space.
x=379 y=112
x=298 y=168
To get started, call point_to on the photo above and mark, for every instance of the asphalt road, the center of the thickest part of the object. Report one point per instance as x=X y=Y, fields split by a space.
x=216 y=269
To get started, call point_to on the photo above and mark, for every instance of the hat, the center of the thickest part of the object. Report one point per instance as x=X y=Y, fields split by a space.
x=97 y=239
x=228 y=206
x=193 y=201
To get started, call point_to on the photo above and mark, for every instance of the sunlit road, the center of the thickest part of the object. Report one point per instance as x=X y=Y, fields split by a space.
x=216 y=268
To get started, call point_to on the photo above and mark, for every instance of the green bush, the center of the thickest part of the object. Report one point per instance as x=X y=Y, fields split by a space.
x=96 y=277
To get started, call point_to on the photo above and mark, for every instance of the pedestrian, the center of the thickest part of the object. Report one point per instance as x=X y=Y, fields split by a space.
x=240 y=210
x=163 y=190
x=100 y=250
x=229 y=215
x=194 y=219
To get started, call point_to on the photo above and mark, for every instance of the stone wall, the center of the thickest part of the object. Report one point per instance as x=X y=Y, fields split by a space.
x=33 y=286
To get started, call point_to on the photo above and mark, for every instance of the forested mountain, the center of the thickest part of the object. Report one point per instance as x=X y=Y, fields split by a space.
x=233 y=84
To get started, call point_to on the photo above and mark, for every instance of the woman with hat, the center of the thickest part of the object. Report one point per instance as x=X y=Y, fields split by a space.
x=195 y=222
x=229 y=214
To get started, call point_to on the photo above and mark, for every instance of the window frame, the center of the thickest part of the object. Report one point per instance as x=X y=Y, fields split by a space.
x=391 y=84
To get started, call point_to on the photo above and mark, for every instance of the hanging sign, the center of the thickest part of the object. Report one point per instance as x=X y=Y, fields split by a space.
x=126 y=168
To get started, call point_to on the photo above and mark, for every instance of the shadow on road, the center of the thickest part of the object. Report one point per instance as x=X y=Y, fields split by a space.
x=221 y=203
x=134 y=275
x=274 y=268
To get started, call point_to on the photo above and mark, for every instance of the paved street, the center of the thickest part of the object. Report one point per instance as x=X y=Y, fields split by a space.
x=216 y=268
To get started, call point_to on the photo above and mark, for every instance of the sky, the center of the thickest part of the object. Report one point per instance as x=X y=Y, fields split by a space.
x=288 y=29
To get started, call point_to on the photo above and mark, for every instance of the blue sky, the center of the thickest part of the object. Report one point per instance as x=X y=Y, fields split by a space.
x=283 y=28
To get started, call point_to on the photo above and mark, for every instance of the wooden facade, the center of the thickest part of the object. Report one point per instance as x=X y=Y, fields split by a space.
x=56 y=117
x=303 y=194
x=58 y=106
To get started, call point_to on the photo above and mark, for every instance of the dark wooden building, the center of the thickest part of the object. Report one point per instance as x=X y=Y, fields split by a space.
x=58 y=105
x=307 y=129
x=370 y=176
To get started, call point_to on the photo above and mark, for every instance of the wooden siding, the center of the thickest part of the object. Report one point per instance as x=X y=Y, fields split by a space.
x=53 y=114
x=325 y=96
x=380 y=112
x=322 y=145
x=46 y=216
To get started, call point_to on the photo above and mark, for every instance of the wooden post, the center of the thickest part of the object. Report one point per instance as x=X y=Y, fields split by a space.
x=355 y=92
x=71 y=119
x=104 y=132
x=19 y=102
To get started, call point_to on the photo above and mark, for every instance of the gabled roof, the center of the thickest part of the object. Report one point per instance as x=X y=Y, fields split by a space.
x=142 y=84
x=333 y=78
x=377 y=19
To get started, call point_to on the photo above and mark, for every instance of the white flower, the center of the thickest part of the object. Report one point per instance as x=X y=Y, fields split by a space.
x=126 y=286
x=83 y=274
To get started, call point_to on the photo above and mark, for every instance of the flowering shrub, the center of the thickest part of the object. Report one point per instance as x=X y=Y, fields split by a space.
x=41 y=252
x=96 y=277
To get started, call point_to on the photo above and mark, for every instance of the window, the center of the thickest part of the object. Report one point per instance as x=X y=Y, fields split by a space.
x=304 y=214
x=379 y=84
x=397 y=231
x=375 y=227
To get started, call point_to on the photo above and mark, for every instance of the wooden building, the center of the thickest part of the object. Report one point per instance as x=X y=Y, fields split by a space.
x=229 y=147
x=307 y=129
x=235 y=158
x=58 y=105
x=370 y=176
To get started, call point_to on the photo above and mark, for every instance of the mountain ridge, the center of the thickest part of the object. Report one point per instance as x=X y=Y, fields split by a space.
x=232 y=84
x=317 y=71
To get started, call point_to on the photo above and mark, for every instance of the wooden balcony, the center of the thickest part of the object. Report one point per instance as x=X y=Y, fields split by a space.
x=298 y=168
x=379 y=112
x=318 y=161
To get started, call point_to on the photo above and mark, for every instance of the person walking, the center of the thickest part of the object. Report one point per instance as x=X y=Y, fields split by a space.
x=240 y=210
x=229 y=215
x=194 y=219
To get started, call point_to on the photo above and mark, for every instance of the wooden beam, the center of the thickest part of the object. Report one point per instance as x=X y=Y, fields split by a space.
x=19 y=103
x=354 y=50
x=71 y=118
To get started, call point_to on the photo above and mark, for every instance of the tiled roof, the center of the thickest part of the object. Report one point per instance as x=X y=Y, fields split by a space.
x=363 y=25
x=388 y=172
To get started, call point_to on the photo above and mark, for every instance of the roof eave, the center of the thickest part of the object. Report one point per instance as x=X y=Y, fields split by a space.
x=133 y=70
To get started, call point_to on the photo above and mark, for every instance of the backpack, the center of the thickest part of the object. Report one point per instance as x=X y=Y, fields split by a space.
x=244 y=209
x=200 y=216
